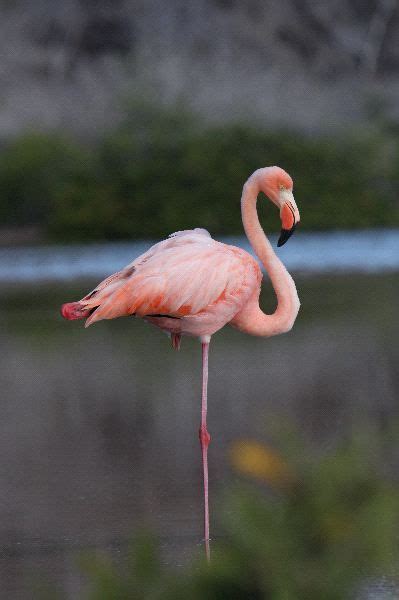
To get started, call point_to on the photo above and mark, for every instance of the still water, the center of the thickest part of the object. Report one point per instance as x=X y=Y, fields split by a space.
x=365 y=251
x=98 y=428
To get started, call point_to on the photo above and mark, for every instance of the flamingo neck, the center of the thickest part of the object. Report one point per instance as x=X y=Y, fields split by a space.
x=252 y=319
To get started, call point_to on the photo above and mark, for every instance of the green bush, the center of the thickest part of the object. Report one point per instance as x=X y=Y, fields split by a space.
x=312 y=528
x=33 y=170
x=161 y=171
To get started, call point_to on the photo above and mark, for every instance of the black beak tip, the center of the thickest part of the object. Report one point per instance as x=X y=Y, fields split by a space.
x=285 y=235
x=283 y=238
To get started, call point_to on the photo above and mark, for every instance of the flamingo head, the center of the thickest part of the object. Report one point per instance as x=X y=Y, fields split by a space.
x=277 y=185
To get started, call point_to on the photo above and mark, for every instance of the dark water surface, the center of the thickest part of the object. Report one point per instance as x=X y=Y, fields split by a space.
x=98 y=428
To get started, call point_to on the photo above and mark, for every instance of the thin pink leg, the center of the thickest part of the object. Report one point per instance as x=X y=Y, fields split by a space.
x=204 y=440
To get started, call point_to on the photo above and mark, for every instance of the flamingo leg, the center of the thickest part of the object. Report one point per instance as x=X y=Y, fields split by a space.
x=204 y=440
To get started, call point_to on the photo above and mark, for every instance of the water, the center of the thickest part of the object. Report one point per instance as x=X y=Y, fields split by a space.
x=366 y=251
x=98 y=428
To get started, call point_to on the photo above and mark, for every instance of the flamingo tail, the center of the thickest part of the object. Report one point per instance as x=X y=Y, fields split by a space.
x=75 y=310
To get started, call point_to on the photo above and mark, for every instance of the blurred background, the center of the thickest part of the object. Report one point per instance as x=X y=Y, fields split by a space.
x=120 y=123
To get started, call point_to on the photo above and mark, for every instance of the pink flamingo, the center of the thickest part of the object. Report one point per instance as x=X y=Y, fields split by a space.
x=193 y=285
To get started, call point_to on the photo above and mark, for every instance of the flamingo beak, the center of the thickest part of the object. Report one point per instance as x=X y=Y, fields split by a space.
x=289 y=216
x=285 y=235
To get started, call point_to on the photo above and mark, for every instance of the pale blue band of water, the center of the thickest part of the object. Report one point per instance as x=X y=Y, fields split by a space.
x=347 y=251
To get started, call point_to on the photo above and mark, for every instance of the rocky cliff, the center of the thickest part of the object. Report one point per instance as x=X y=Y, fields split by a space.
x=317 y=66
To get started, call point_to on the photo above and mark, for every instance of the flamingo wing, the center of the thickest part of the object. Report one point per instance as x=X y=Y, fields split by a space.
x=178 y=277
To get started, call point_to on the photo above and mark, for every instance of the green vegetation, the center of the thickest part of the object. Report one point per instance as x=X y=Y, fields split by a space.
x=161 y=171
x=312 y=528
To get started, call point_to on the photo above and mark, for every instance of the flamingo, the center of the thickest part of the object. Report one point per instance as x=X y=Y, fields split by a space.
x=190 y=284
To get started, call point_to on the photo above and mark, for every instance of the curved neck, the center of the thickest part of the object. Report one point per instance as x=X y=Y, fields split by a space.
x=252 y=319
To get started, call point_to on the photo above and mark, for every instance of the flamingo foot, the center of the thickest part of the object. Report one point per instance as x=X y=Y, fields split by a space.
x=176 y=340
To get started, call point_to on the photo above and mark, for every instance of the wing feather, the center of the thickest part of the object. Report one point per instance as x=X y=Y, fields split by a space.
x=180 y=276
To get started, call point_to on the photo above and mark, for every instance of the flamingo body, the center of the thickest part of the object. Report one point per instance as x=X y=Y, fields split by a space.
x=188 y=284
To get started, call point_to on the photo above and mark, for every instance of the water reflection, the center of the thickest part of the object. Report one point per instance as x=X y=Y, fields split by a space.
x=98 y=434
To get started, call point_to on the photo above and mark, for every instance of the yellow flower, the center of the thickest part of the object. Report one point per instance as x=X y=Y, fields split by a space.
x=259 y=461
